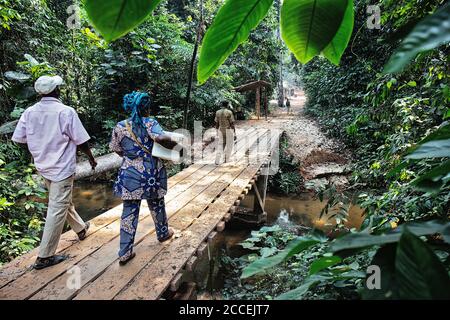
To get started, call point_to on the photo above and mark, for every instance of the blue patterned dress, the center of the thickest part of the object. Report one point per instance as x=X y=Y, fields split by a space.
x=141 y=176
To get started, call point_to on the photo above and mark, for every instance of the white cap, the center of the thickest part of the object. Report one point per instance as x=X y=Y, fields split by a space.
x=46 y=84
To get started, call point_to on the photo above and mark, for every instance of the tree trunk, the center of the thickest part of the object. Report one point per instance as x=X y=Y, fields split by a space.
x=191 y=71
x=106 y=163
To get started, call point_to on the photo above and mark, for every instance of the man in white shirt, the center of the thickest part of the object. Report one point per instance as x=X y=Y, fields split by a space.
x=53 y=133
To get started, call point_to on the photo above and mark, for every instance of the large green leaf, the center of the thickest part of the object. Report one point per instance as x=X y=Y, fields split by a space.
x=295 y=247
x=409 y=270
x=231 y=26
x=308 y=26
x=364 y=239
x=419 y=272
x=442 y=133
x=435 y=179
x=432 y=149
x=435 y=145
x=115 y=18
x=298 y=293
x=315 y=279
x=337 y=46
x=323 y=263
x=385 y=260
x=428 y=34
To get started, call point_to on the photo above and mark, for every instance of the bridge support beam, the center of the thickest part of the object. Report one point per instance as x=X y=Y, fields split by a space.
x=255 y=214
x=260 y=192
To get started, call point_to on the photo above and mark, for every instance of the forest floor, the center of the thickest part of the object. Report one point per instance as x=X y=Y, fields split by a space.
x=322 y=160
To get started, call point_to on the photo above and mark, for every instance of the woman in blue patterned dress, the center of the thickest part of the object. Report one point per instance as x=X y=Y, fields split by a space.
x=141 y=176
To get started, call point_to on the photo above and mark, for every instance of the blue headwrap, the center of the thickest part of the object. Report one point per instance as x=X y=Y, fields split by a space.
x=136 y=103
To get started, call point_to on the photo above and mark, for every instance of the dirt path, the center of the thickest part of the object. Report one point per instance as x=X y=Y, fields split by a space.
x=322 y=159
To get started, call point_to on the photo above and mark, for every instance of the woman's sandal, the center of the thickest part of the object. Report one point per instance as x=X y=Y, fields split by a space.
x=133 y=255
x=124 y=262
x=168 y=237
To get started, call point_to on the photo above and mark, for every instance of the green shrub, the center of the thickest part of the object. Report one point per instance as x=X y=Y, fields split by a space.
x=381 y=116
x=22 y=204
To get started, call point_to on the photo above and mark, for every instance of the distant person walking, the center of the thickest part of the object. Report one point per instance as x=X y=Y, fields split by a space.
x=288 y=105
x=53 y=133
x=226 y=132
x=141 y=176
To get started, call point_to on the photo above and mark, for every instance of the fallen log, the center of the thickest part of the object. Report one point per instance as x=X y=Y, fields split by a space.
x=8 y=127
x=105 y=163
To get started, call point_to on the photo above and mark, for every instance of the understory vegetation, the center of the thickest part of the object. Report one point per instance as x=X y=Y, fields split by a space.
x=381 y=117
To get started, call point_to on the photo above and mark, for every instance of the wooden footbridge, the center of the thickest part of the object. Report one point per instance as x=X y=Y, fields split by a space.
x=200 y=201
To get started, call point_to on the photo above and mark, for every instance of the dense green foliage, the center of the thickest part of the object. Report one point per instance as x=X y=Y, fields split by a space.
x=308 y=27
x=386 y=120
x=284 y=266
x=270 y=242
x=21 y=203
x=381 y=117
x=430 y=33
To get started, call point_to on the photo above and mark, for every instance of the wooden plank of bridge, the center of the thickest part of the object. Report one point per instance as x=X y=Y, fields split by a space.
x=26 y=286
x=19 y=266
x=91 y=266
x=169 y=261
x=179 y=177
x=241 y=145
x=242 y=134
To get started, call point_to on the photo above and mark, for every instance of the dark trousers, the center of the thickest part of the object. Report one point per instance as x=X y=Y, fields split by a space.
x=130 y=219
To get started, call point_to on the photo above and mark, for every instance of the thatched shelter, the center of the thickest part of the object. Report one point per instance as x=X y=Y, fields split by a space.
x=261 y=89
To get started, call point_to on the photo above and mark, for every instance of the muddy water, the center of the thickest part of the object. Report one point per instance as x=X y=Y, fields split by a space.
x=301 y=210
x=93 y=198
x=304 y=210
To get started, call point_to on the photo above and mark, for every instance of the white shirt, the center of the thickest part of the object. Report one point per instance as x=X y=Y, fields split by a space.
x=52 y=131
